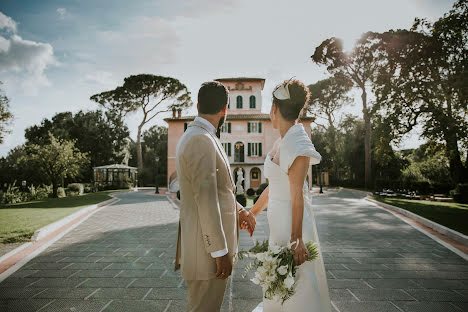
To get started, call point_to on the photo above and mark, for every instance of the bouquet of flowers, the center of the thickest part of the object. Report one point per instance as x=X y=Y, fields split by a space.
x=275 y=268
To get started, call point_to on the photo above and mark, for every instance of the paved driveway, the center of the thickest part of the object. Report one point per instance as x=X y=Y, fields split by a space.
x=121 y=259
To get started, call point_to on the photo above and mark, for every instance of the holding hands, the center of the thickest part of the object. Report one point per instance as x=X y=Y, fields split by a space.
x=247 y=221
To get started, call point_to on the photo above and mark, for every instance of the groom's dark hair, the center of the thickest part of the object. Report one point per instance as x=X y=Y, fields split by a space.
x=212 y=97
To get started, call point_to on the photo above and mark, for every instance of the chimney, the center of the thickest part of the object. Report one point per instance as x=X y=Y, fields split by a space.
x=179 y=113
x=173 y=112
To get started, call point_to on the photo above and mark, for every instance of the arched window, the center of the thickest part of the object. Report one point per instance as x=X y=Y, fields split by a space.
x=252 y=101
x=239 y=101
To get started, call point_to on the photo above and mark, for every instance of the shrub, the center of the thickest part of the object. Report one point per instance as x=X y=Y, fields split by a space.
x=441 y=188
x=178 y=195
x=250 y=192
x=460 y=193
x=88 y=188
x=241 y=199
x=76 y=188
x=261 y=188
x=256 y=198
x=61 y=192
x=38 y=193
x=43 y=191
x=12 y=194
x=422 y=187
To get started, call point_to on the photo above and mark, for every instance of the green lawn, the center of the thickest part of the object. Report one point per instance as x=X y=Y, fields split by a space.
x=250 y=200
x=451 y=215
x=18 y=222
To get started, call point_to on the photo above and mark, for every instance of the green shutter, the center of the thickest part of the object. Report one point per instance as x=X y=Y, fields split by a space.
x=249 y=149
x=239 y=101
x=185 y=126
x=229 y=149
x=259 y=127
x=229 y=127
x=252 y=101
x=259 y=149
x=248 y=127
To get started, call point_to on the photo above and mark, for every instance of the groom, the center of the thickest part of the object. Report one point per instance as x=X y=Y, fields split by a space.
x=209 y=213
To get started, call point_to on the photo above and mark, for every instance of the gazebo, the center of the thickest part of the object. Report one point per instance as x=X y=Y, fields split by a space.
x=116 y=174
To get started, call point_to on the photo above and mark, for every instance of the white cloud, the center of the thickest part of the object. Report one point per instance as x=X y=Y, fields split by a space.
x=7 y=23
x=62 y=12
x=101 y=77
x=24 y=61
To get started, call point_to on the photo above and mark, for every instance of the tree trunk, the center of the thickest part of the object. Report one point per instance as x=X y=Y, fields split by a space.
x=139 y=152
x=367 y=139
x=54 y=190
x=453 y=154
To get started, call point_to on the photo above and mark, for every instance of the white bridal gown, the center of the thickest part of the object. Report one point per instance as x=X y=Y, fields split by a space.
x=311 y=288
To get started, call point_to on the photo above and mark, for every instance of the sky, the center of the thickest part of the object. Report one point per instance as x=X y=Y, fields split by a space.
x=55 y=54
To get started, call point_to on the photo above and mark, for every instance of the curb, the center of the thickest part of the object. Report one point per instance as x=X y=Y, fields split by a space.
x=356 y=191
x=425 y=232
x=456 y=236
x=46 y=230
x=18 y=257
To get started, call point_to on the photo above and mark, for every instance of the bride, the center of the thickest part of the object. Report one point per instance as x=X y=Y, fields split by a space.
x=290 y=215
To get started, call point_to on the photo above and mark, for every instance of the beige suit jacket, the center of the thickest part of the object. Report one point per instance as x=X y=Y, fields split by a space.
x=208 y=210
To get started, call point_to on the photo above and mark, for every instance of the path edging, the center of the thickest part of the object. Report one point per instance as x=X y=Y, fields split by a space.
x=52 y=227
x=86 y=210
x=456 y=236
x=435 y=238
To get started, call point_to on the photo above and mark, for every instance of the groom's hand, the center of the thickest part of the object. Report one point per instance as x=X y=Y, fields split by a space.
x=224 y=266
x=247 y=221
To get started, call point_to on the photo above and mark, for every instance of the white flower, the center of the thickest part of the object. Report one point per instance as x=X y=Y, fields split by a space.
x=261 y=256
x=271 y=278
x=289 y=281
x=283 y=270
x=276 y=249
x=255 y=281
x=268 y=258
x=261 y=269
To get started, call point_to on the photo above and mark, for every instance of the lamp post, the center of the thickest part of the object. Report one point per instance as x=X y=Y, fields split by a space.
x=157 y=174
x=321 y=191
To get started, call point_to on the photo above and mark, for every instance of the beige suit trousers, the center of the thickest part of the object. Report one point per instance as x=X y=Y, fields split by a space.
x=206 y=295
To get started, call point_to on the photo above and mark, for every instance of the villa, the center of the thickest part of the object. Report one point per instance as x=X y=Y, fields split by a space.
x=247 y=136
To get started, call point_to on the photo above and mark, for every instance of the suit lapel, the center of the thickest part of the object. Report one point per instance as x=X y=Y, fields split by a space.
x=218 y=146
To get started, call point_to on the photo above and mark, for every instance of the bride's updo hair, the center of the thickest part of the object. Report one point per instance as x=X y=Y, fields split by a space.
x=291 y=109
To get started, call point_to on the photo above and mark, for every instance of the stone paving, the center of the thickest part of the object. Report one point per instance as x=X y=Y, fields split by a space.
x=121 y=259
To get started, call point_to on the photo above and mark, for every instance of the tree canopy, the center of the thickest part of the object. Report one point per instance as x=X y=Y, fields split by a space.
x=56 y=160
x=5 y=115
x=149 y=94
x=422 y=80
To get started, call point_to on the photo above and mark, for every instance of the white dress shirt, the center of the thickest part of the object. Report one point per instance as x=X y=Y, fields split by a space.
x=219 y=253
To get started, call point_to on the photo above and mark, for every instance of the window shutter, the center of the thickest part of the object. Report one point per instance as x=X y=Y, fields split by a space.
x=248 y=127
x=250 y=149
x=259 y=149
x=229 y=149
x=185 y=126
x=229 y=127
x=239 y=101
x=259 y=127
x=252 y=101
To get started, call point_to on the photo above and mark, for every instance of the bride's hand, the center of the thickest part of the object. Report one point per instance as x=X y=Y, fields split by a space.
x=301 y=254
x=247 y=221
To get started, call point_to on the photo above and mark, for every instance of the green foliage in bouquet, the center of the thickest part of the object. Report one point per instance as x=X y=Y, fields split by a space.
x=275 y=268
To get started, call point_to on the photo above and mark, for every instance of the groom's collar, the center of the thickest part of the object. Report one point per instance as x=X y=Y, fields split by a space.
x=206 y=124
